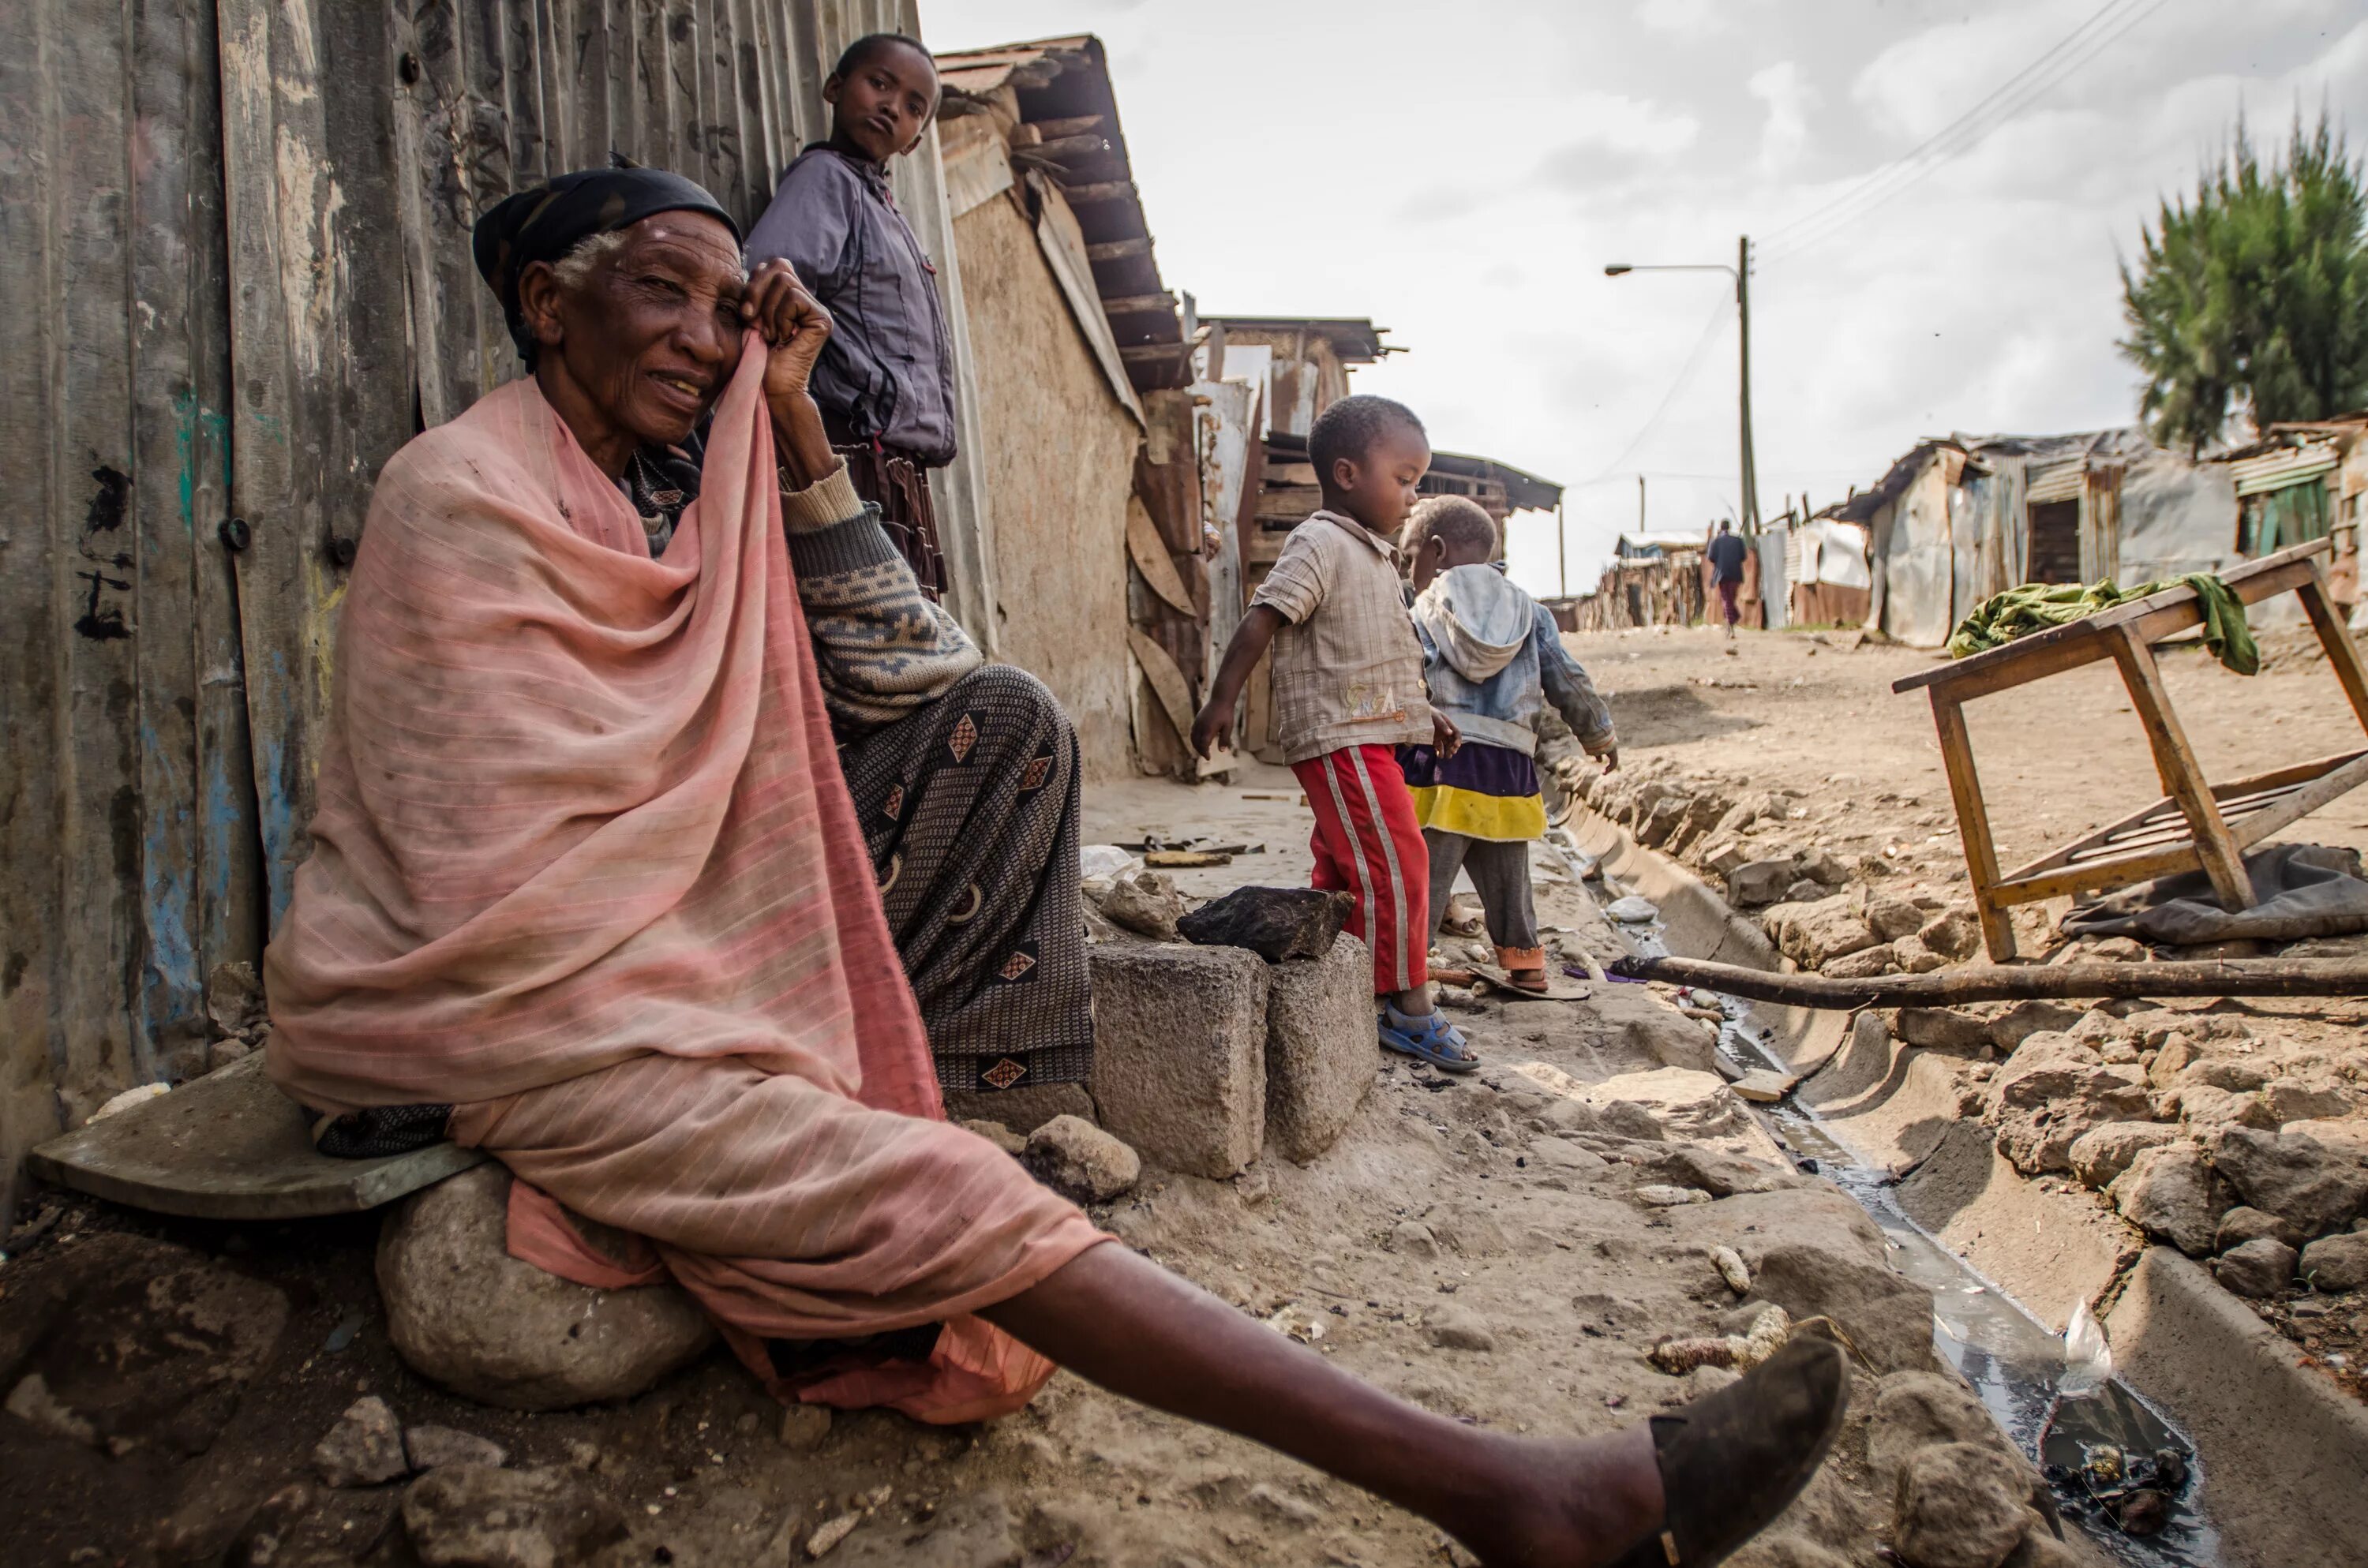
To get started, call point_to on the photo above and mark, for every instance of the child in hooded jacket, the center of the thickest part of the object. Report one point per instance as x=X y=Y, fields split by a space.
x=1492 y=659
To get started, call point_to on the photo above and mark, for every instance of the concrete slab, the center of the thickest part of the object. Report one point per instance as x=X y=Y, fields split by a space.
x=1179 y=1053
x=230 y=1147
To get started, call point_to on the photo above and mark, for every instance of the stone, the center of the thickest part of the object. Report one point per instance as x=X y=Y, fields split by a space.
x=1145 y=902
x=1764 y=1086
x=2293 y=1175
x=363 y=1448
x=2171 y=1058
x=1671 y=1039
x=1319 y=1047
x=2050 y=1092
x=2337 y=1263
x=1758 y=881
x=1627 y=1118
x=1893 y=918
x=1715 y=1171
x=830 y=1532
x=430 y=1447
x=2245 y=1223
x=1023 y=1107
x=1914 y=1411
x=125 y=1344
x=803 y=1427
x=1959 y=1505
x=1911 y=955
x=1804 y=892
x=1946 y=1030
x=1632 y=910
x=1412 y=1238
x=2024 y=1019
x=1080 y=1161
x=1459 y=1328
x=2209 y=1108
x=2233 y=1073
x=2104 y=1152
x=1812 y=935
x=2168 y=1193
x=974 y=1530
x=999 y=1135
x=2261 y=1267
x=1822 y=866
x=1274 y=922
x=1179 y=1053
x=1955 y=935
x=462 y=1312
x=1562 y=1154
x=471 y=1515
x=1863 y=964
x=2307 y=1099
x=1662 y=1195
x=1887 y=1317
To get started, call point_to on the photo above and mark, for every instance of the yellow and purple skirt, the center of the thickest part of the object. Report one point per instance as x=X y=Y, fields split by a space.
x=1483 y=791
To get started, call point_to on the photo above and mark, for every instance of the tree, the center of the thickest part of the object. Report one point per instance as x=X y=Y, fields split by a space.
x=2253 y=299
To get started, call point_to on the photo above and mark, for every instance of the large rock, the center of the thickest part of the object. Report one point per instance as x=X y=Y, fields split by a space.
x=1915 y=1410
x=2103 y=1153
x=1812 y=933
x=2337 y=1263
x=1960 y=1506
x=2168 y=1193
x=2018 y=1023
x=1320 y=1050
x=1179 y=1053
x=2245 y=1223
x=2307 y=1099
x=1863 y=964
x=2294 y=1176
x=1080 y=1161
x=464 y=1313
x=2261 y=1267
x=1892 y=917
x=1274 y=922
x=1946 y=1030
x=1145 y=902
x=473 y=1516
x=2050 y=1092
x=1888 y=1318
x=1759 y=881
x=1954 y=934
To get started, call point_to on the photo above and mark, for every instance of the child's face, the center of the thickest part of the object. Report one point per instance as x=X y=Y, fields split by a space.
x=885 y=104
x=1378 y=490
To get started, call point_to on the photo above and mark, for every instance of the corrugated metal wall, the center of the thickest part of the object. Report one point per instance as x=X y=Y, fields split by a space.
x=237 y=271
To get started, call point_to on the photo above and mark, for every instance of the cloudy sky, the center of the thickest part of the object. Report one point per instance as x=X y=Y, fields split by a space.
x=1461 y=173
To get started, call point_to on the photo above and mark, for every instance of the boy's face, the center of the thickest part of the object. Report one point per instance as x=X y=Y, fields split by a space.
x=1378 y=490
x=885 y=104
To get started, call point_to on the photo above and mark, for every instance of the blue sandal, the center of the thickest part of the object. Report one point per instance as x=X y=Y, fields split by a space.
x=1429 y=1038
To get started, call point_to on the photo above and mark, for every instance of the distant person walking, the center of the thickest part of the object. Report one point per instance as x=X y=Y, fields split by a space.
x=885 y=382
x=1726 y=555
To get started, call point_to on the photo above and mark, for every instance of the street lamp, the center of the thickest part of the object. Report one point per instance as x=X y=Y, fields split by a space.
x=1741 y=273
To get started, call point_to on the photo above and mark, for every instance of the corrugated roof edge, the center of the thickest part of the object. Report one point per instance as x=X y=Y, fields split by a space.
x=1526 y=491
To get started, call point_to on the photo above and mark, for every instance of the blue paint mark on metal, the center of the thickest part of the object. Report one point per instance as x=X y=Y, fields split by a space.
x=170 y=988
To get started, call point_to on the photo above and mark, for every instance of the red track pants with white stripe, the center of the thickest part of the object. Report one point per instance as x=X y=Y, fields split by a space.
x=1367 y=842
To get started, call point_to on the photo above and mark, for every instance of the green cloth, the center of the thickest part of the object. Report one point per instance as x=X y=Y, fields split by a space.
x=2035 y=606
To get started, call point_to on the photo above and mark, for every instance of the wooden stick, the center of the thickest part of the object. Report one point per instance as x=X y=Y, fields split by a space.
x=1985 y=982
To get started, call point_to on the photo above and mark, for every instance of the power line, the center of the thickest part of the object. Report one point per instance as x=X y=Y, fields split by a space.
x=1686 y=373
x=2083 y=44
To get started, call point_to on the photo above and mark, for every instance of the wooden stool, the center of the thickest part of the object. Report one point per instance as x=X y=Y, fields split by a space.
x=2196 y=825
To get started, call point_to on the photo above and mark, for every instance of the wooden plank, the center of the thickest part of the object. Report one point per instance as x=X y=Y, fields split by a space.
x=1973 y=825
x=230 y=1147
x=2182 y=775
x=1118 y=250
x=2298 y=803
x=1144 y=547
x=2096 y=876
x=1167 y=682
x=1100 y=190
x=2342 y=653
x=1139 y=304
x=2237 y=796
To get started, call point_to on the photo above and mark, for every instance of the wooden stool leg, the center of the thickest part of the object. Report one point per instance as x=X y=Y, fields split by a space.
x=2182 y=778
x=1973 y=826
x=2342 y=653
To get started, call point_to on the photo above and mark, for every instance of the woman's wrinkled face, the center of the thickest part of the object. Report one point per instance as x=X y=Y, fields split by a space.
x=646 y=336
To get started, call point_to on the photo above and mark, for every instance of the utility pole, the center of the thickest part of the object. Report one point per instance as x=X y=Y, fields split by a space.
x=1750 y=471
x=1562 y=553
x=1640 y=503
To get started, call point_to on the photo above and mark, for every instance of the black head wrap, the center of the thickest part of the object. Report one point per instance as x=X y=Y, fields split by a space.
x=546 y=223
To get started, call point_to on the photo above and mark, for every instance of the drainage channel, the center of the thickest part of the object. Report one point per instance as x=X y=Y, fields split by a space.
x=2107 y=1452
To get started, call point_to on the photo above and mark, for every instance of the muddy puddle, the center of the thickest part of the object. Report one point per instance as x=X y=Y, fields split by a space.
x=2109 y=1454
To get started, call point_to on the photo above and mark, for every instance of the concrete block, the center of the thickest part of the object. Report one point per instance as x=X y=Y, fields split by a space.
x=1320 y=1047
x=1179 y=1053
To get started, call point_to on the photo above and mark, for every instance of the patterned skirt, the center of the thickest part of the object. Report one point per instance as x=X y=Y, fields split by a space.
x=969 y=811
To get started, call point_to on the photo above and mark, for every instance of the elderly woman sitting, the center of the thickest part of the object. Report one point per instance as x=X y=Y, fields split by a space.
x=588 y=891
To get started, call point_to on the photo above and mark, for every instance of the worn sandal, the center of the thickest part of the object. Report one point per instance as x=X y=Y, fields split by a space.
x=1733 y=1461
x=1429 y=1038
x=1525 y=968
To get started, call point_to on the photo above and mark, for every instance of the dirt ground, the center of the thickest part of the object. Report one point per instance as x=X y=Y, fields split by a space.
x=1810 y=716
x=1479 y=1245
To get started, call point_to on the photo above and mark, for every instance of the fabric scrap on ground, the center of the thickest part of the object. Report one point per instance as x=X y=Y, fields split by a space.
x=2299 y=890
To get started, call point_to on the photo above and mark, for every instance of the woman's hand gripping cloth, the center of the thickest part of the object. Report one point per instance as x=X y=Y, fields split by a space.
x=585 y=867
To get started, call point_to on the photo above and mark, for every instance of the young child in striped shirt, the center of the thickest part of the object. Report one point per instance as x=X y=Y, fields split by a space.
x=1492 y=659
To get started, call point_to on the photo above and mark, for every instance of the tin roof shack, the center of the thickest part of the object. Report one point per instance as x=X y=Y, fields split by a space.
x=238 y=275
x=2306 y=480
x=1653 y=579
x=1959 y=518
x=1024 y=128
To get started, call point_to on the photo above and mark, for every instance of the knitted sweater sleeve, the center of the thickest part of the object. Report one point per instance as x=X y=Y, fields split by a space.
x=884 y=650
